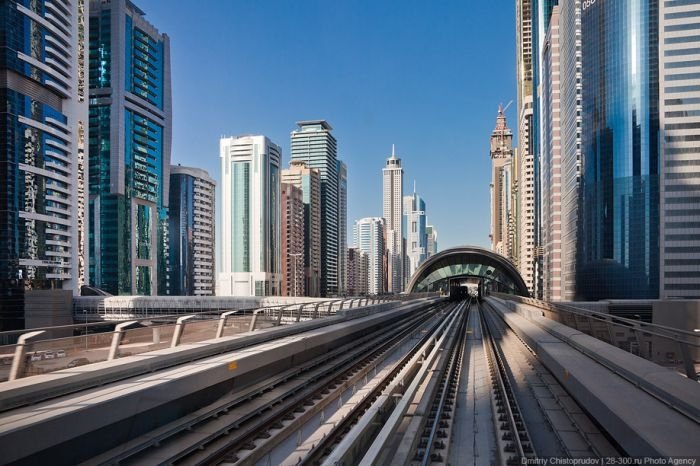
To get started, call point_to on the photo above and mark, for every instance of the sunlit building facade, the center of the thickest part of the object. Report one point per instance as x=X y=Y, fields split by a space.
x=249 y=242
x=392 y=199
x=369 y=239
x=292 y=224
x=679 y=88
x=416 y=235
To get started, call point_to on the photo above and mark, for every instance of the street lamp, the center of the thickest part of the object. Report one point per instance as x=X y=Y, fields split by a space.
x=295 y=256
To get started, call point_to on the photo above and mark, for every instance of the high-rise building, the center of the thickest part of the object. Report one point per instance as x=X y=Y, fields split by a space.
x=309 y=181
x=529 y=18
x=130 y=138
x=292 y=222
x=393 y=217
x=192 y=232
x=314 y=144
x=619 y=240
x=570 y=119
x=250 y=238
x=501 y=187
x=43 y=123
x=432 y=235
x=358 y=265
x=369 y=239
x=342 y=228
x=551 y=164
x=679 y=88
x=416 y=236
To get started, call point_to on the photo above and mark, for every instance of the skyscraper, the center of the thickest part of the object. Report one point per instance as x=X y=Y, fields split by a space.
x=619 y=241
x=551 y=164
x=679 y=87
x=250 y=217
x=314 y=144
x=192 y=232
x=309 y=181
x=44 y=115
x=292 y=222
x=416 y=237
x=393 y=217
x=342 y=227
x=130 y=139
x=358 y=264
x=501 y=152
x=570 y=118
x=529 y=16
x=369 y=239
x=432 y=235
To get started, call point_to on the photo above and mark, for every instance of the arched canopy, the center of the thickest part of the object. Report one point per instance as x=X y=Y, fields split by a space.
x=497 y=272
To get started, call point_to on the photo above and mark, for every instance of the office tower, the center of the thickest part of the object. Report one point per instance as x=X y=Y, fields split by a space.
x=358 y=265
x=679 y=88
x=501 y=187
x=525 y=235
x=393 y=216
x=342 y=227
x=619 y=242
x=369 y=239
x=309 y=181
x=191 y=226
x=416 y=237
x=551 y=164
x=314 y=144
x=292 y=222
x=432 y=243
x=250 y=217
x=570 y=120
x=44 y=113
x=130 y=139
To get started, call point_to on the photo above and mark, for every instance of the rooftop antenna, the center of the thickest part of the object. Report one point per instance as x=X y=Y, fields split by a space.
x=393 y=154
x=414 y=186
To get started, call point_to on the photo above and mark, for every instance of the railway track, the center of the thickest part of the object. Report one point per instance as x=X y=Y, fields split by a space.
x=242 y=426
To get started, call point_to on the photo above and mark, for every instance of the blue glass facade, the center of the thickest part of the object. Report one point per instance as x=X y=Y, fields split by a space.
x=618 y=245
x=129 y=151
x=41 y=121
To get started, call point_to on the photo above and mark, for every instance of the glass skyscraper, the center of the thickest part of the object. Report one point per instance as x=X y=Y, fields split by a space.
x=250 y=235
x=619 y=242
x=191 y=229
x=314 y=144
x=43 y=131
x=130 y=138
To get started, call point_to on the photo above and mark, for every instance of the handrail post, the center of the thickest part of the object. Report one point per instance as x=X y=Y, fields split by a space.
x=117 y=338
x=19 y=361
x=254 y=320
x=222 y=323
x=179 y=328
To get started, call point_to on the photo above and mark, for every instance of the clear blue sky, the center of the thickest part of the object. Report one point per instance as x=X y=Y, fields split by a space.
x=426 y=76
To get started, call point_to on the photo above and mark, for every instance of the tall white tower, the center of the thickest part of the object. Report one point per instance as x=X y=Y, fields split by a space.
x=393 y=218
x=250 y=217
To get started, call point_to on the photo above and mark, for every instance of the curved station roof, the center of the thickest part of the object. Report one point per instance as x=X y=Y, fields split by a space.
x=497 y=272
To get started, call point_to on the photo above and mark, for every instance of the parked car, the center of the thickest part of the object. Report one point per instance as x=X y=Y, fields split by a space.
x=78 y=362
x=49 y=355
x=61 y=353
x=36 y=356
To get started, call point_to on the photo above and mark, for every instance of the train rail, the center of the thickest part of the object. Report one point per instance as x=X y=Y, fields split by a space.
x=243 y=426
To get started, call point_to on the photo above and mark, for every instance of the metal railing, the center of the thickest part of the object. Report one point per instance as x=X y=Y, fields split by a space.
x=39 y=351
x=667 y=346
